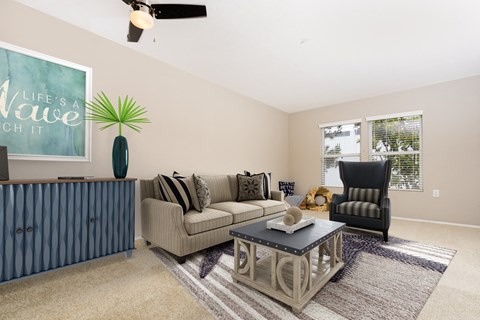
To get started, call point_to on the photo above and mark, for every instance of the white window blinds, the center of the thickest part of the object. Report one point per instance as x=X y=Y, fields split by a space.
x=399 y=138
x=341 y=141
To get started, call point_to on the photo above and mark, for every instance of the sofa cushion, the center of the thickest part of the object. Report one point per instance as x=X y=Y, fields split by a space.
x=250 y=187
x=363 y=194
x=220 y=190
x=269 y=206
x=208 y=219
x=359 y=208
x=175 y=190
x=202 y=191
x=239 y=211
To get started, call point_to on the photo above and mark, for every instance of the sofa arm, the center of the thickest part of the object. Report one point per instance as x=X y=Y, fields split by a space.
x=385 y=203
x=162 y=224
x=339 y=198
x=385 y=211
x=278 y=195
x=336 y=200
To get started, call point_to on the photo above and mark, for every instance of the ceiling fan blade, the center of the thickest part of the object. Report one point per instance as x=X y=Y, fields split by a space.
x=134 y=33
x=129 y=2
x=178 y=11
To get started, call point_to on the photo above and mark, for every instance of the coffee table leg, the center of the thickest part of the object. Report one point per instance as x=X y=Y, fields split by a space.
x=339 y=246
x=273 y=271
x=320 y=251
x=253 y=261
x=296 y=279
x=333 y=252
x=310 y=269
x=236 y=257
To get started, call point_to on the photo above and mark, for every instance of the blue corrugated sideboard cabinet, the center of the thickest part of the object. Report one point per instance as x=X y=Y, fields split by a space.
x=47 y=224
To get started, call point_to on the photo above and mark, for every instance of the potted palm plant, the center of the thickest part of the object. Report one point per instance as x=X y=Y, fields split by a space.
x=128 y=113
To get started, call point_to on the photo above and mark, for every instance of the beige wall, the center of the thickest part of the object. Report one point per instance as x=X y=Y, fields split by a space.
x=451 y=146
x=196 y=126
x=201 y=127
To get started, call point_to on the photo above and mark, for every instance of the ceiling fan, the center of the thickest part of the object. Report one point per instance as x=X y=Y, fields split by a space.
x=143 y=13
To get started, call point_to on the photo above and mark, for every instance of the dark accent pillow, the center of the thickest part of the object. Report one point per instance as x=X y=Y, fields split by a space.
x=287 y=187
x=203 y=192
x=175 y=190
x=267 y=183
x=250 y=187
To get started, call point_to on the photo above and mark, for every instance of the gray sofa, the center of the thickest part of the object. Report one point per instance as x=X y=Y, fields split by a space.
x=165 y=225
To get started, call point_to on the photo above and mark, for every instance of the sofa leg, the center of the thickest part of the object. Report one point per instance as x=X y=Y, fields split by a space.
x=181 y=260
x=385 y=235
x=147 y=243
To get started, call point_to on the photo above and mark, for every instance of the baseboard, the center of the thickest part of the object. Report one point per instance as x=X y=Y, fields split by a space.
x=139 y=242
x=439 y=222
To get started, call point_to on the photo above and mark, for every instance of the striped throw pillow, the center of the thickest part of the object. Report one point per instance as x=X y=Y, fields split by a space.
x=191 y=189
x=175 y=190
x=365 y=195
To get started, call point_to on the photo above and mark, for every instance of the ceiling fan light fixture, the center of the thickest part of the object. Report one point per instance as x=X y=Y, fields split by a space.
x=142 y=17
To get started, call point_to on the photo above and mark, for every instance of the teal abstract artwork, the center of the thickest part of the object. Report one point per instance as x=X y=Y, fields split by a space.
x=42 y=113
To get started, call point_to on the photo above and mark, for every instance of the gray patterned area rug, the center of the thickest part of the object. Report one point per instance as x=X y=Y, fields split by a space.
x=380 y=281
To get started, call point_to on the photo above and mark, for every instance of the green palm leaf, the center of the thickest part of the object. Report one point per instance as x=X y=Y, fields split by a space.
x=128 y=113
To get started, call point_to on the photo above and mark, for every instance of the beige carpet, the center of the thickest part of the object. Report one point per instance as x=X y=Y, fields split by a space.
x=142 y=288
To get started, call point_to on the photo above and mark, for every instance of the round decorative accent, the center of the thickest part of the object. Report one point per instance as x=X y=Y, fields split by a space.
x=288 y=219
x=310 y=202
x=320 y=200
x=296 y=213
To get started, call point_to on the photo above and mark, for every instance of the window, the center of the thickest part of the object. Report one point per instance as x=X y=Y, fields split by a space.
x=399 y=138
x=341 y=141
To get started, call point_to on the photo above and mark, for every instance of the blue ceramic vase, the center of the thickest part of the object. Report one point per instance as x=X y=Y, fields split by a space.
x=120 y=157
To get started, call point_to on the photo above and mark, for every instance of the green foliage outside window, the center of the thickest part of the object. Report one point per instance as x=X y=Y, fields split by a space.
x=398 y=139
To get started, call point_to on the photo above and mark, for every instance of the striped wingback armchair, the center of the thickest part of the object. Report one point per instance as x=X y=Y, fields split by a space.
x=364 y=202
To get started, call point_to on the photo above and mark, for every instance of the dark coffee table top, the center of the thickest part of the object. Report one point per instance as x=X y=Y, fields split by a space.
x=298 y=243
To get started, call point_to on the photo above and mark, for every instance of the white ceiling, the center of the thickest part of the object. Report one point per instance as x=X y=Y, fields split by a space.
x=296 y=55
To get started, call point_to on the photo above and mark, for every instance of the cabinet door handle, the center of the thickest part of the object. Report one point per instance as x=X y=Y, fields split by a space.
x=29 y=229
x=19 y=230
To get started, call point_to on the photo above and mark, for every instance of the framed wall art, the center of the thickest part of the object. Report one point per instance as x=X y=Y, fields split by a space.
x=42 y=112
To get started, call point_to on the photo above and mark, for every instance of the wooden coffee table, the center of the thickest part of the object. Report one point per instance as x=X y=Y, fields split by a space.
x=295 y=270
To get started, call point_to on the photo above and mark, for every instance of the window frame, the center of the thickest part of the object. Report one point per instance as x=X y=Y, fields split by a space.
x=322 y=148
x=371 y=153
